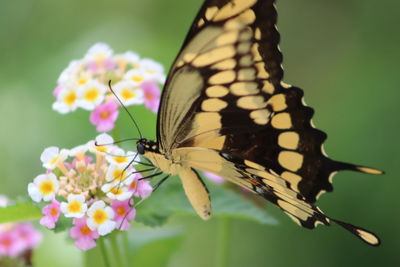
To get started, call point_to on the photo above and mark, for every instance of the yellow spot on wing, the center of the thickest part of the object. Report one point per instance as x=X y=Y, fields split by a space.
x=223 y=77
x=369 y=170
x=213 y=104
x=251 y=102
x=290 y=160
x=244 y=88
x=213 y=56
x=217 y=91
x=278 y=102
x=289 y=140
x=225 y=64
x=281 y=121
x=260 y=116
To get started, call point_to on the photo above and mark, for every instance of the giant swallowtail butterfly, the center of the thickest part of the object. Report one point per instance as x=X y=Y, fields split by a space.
x=225 y=110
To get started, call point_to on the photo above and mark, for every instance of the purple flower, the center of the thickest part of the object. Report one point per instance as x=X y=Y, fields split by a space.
x=18 y=238
x=140 y=188
x=123 y=213
x=104 y=116
x=85 y=238
x=10 y=245
x=28 y=236
x=51 y=214
x=151 y=95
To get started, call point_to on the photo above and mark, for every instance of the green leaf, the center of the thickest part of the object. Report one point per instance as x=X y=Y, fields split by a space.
x=170 y=199
x=22 y=211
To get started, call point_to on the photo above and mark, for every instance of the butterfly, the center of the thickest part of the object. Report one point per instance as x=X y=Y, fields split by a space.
x=225 y=110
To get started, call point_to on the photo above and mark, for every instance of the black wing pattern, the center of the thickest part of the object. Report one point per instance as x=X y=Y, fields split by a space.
x=225 y=94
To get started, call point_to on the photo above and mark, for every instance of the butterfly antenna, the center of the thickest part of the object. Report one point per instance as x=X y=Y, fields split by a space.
x=127 y=111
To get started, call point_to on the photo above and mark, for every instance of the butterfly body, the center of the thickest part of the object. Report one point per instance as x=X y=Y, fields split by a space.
x=225 y=110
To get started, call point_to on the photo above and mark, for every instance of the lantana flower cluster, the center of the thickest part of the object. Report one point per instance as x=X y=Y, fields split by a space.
x=96 y=187
x=84 y=84
x=17 y=239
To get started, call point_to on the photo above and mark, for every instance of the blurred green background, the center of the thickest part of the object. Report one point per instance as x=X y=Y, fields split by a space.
x=344 y=54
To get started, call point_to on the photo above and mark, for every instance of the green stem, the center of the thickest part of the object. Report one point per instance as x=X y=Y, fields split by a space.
x=223 y=242
x=116 y=250
x=103 y=250
x=126 y=249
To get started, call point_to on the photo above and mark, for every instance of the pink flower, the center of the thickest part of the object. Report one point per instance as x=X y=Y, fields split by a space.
x=104 y=116
x=57 y=90
x=215 y=178
x=10 y=244
x=51 y=214
x=123 y=213
x=83 y=235
x=140 y=188
x=29 y=237
x=151 y=95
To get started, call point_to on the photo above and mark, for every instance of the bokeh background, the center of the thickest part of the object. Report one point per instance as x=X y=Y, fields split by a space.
x=344 y=54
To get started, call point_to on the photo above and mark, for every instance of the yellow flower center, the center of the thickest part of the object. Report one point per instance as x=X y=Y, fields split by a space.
x=120 y=159
x=74 y=207
x=127 y=94
x=100 y=216
x=101 y=148
x=105 y=114
x=116 y=191
x=54 y=160
x=121 y=211
x=70 y=98
x=53 y=212
x=6 y=242
x=82 y=80
x=117 y=175
x=91 y=94
x=85 y=230
x=137 y=78
x=133 y=185
x=46 y=187
x=148 y=96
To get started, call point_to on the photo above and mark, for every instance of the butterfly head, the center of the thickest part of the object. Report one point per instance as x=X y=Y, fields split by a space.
x=143 y=145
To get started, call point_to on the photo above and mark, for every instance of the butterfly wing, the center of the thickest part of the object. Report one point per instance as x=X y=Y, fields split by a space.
x=225 y=103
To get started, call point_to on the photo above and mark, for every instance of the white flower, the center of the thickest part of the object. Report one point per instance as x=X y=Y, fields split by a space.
x=118 y=156
x=98 y=52
x=78 y=150
x=3 y=201
x=76 y=206
x=51 y=156
x=44 y=186
x=127 y=58
x=117 y=172
x=136 y=76
x=70 y=72
x=91 y=94
x=102 y=144
x=129 y=93
x=100 y=218
x=117 y=190
x=81 y=79
x=152 y=70
x=66 y=101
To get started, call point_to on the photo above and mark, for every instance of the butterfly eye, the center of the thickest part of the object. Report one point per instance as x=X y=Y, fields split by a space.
x=140 y=149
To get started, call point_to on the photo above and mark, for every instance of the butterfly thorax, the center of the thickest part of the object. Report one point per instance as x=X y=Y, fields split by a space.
x=150 y=149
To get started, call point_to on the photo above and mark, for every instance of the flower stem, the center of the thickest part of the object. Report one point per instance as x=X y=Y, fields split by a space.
x=223 y=242
x=103 y=250
x=116 y=250
x=126 y=250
